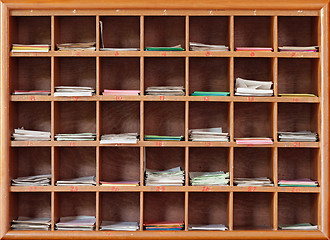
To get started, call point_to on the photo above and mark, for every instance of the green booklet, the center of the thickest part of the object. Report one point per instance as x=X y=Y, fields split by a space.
x=163 y=138
x=174 y=48
x=200 y=93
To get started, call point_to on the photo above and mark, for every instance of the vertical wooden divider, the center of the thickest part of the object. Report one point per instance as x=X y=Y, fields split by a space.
x=97 y=37
x=54 y=209
x=52 y=41
x=275 y=76
x=231 y=183
x=187 y=39
x=186 y=203
x=231 y=211
x=141 y=33
x=231 y=33
x=98 y=210
x=275 y=210
x=141 y=209
x=275 y=33
x=186 y=210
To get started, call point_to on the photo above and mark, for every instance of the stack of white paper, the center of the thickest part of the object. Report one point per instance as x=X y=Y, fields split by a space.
x=165 y=91
x=207 y=47
x=210 y=227
x=209 y=178
x=170 y=177
x=301 y=136
x=38 y=180
x=123 y=138
x=260 y=181
x=76 y=46
x=245 y=87
x=27 y=223
x=119 y=226
x=30 y=135
x=73 y=91
x=80 y=181
x=76 y=223
x=299 y=226
x=75 y=137
x=298 y=49
x=208 y=134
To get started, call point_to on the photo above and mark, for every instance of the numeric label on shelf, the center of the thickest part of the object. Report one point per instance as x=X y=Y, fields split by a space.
x=159 y=144
x=116 y=53
x=118 y=98
x=160 y=189
x=205 y=189
x=250 y=99
x=295 y=100
x=296 y=144
x=33 y=98
x=32 y=189
x=161 y=98
x=293 y=54
x=251 y=189
x=115 y=189
x=206 y=99
x=207 y=53
x=164 y=54
x=73 y=189
x=294 y=189
x=207 y=144
x=72 y=144
x=252 y=54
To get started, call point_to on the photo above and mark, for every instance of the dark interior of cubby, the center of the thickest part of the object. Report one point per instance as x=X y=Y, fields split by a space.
x=74 y=71
x=253 y=31
x=299 y=31
x=119 y=164
x=164 y=72
x=259 y=69
x=75 y=117
x=253 y=162
x=121 y=32
x=253 y=211
x=73 y=29
x=119 y=73
x=30 y=30
x=120 y=206
x=298 y=117
x=297 y=163
x=298 y=75
x=160 y=31
x=253 y=120
x=208 y=74
x=163 y=207
x=296 y=208
x=164 y=118
x=208 y=208
x=209 y=30
x=120 y=117
x=158 y=158
x=24 y=75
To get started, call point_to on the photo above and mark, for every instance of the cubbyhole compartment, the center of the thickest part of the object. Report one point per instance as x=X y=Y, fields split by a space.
x=119 y=73
x=75 y=117
x=30 y=30
x=259 y=69
x=121 y=32
x=74 y=29
x=298 y=163
x=208 y=75
x=74 y=71
x=209 y=30
x=119 y=164
x=253 y=211
x=299 y=31
x=24 y=74
x=294 y=208
x=253 y=31
x=298 y=75
x=208 y=208
x=164 y=31
x=253 y=120
x=164 y=118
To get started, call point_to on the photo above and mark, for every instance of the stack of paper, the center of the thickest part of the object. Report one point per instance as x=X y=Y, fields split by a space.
x=119 y=226
x=299 y=226
x=209 y=178
x=30 y=135
x=122 y=138
x=38 y=180
x=301 y=136
x=32 y=92
x=298 y=49
x=121 y=183
x=30 y=48
x=305 y=182
x=27 y=223
x=75 y=137
x=76 y=46
x=210 y=227
x=73 y=91
x=260 y=181
x=80 y=181
x=296 y=95
x=170 y=177
x=165 y=91
x=121 y=92
x=245 y=87
x=207 y=47
x=173 y=48
x=163 y=138
x=200 y=93
x=254 y=49
x=76 y=223
x=208 y=134
x=164 y=226
x=254 y=140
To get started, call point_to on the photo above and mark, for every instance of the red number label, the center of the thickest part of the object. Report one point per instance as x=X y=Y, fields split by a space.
x=252 y=54
x=294 y=189
x=293 y=54
x=205 y=189
x=296 y=144
x=159 y=144
x=73 y=189
x=118 y=98
x=208 y=53
x=33 y=98
x=206 y=98
x=251 y=189
x=164 y=53
x=32 y=189
x=116 y=189
x=72 y=144
x=250 y=145
x=207 y=144
x=250 y=99
x=160 y=189
x=118 y=144
x=76 y=98
x=78 y=53
x=117 y=53
x=162 y=98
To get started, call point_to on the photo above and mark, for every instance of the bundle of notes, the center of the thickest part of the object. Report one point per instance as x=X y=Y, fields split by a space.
x=107 y=92
x=172 y=48
x=37 y=180
x=76 y=46
x=209 y=178
x=298 y=49
x=163 y=138
x=120 y=183
x=305 y=182
x=209 y=227
x=73 y=91
x=20 y=134
x=80 y=181
x=208 y=134
x=254 y=140
x=165 y=91
x=260 y=181
x=244 y=87
x=30 y=48
x=75 y=137
x=119 y=226
x=163 y=226
x=76 y=223
x=254 y=49
x=299 y=226
x=301 y=136
x=32 y=224
x=194 y=46
x=170 y=177
x=32 y=92
x=122 y=138
x=207 y=94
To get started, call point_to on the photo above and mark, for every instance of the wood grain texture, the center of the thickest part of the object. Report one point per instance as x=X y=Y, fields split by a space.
x=75 y=204
x=208 y=159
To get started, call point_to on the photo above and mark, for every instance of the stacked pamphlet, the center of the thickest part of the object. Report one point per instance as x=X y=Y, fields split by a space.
x=209 y=178
x=245 y=87
x=119 y=226
x=298 y=49
x=120 y=183
x=122 y=138
x=165 y=91
x=207 y=47
x=173 y=48
x=208 y=134
x=38 y=180
x=20 y=134
x=121 y=92
x=299 y=226
x=76 y=46
x=163 y=138
x=164 y=226
x=301 y=136
x=32 y=92
x=254 y=140
x=73 y=91
x=209 y=227
x=254 y=49
x=75 y=137
x=207 y=94
x=28 y=223
x=260 y=181
x=170 y=177
x=305 y=182
x=30 y=48
x=80 y=181
x=76 y=223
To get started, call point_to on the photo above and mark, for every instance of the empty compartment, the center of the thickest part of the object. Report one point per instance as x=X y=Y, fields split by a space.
x=121 y=32
x=259 y=69
x=253 y=31
x=298 y=75
x=164 y=31
x=119 y=73
x=164 y=118
x=253 y=120
x=158 y=158
x=253 y=211
x=208 y=75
